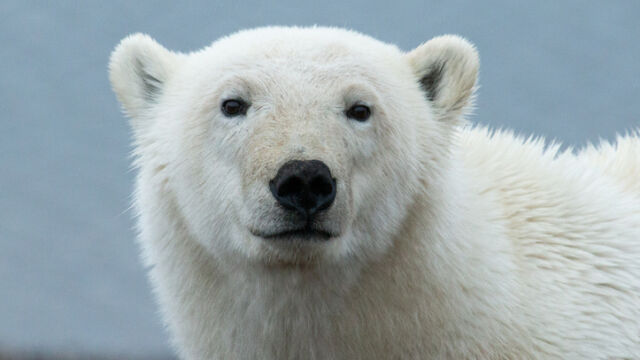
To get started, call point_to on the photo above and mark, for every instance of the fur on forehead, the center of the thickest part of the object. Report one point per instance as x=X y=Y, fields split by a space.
x=310 y=56
x=312 y=43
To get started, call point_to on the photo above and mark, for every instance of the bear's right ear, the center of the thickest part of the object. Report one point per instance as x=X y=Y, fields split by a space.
x=446 y=68
x=138 y=70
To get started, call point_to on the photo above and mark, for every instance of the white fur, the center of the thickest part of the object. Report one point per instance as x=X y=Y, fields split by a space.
x=449 y=241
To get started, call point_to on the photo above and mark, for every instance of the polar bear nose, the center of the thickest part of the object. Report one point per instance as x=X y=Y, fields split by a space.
x=304 y=186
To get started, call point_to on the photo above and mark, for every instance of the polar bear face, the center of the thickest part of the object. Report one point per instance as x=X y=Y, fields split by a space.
x=291 y=146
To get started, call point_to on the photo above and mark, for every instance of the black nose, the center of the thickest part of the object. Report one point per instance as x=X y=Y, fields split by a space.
x=304 y=186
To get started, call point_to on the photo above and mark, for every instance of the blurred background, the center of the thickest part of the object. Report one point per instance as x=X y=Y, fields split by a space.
x=71 y=284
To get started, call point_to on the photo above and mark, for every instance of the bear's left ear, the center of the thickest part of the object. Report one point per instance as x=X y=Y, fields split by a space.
x=447 y=69
x=139 y=69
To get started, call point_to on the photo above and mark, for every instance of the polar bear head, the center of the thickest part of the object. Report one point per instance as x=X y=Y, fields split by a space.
x=290 y=146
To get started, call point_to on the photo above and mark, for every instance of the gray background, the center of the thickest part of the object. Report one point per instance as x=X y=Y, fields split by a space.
x=70 y=279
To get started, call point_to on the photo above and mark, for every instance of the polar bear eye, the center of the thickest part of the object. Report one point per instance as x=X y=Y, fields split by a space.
x=359 y=112
x=234 y=107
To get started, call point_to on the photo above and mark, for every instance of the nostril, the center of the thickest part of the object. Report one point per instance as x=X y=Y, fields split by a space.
x=292 y=185
x=304 y=186
x=320 y=185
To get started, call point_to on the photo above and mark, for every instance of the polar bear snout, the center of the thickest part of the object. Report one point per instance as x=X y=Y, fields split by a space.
x=305 y=187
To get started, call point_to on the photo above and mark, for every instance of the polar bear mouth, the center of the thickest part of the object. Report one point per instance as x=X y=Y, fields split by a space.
x=306 y=233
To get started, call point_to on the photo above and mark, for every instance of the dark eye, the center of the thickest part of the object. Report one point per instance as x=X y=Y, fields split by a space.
x=359 y=112
x=234 y=107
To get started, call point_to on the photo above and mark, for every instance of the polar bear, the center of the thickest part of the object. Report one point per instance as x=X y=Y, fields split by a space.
x=313 y=193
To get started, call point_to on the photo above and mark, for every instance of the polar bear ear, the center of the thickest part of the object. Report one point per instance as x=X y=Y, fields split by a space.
x=138 y=70
x=447 y=69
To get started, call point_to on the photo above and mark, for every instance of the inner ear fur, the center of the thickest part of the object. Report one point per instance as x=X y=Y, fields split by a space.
x=446 y=68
